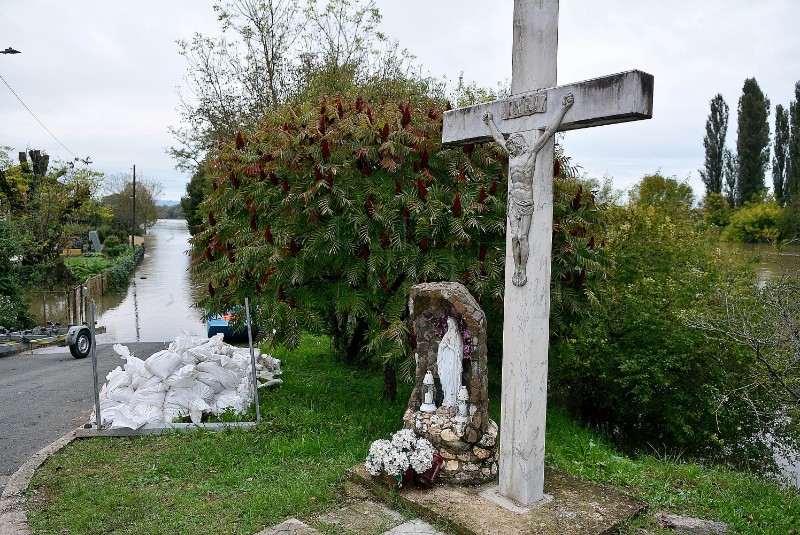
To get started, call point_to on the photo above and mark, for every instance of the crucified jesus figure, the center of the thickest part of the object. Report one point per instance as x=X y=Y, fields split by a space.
x=521 y=165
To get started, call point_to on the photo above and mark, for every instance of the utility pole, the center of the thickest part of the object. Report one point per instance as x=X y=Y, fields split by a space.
x=133 y=213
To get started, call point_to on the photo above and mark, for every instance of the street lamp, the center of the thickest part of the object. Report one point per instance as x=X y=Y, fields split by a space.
x=10 y=50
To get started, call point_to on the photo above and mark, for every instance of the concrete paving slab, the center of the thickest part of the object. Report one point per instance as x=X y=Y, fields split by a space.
x=577 y=506
x=365 y=517
x=290 y=527
x=414 y=527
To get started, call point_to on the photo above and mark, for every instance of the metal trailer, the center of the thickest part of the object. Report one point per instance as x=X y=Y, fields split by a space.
x=78 y=338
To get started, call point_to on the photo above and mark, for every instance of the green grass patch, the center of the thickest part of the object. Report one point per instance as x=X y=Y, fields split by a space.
x=316 y=425
x=748 y=502
x=118 y=267
x=87 y=265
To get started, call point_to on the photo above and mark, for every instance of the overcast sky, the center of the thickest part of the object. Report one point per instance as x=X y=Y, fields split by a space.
x=102 y=76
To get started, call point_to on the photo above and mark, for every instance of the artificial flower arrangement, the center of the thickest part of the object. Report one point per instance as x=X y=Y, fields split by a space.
x=406 y=457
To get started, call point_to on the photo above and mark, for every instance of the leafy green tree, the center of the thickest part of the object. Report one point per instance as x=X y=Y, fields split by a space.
x=196 y=190
x=327 y=214
x=714 y=144
x=58 y=208
x=119 y=199
x=731 y=178
x=781 y=157
x=274 y=51
x=716 y=210
x=666 y=193
x=793 y=164
x=13 y=300
x=789 y=222
x=758 y=221
x=752 y=143
x=173 y=211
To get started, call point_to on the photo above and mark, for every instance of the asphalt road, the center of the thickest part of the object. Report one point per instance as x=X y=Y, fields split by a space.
x=47 y=393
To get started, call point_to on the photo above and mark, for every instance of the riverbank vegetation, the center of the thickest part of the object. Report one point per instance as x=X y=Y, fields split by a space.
x=316 y=425
x=327 y=213
x=737 y=198
x=46 y=211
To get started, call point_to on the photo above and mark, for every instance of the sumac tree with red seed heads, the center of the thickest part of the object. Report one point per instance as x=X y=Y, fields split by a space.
x=357 y=265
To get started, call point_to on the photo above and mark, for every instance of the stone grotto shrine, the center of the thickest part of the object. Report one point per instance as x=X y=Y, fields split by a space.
x=450 y=400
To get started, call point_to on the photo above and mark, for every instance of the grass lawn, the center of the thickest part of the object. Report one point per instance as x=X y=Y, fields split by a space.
x=87 y=265
x=316 y=425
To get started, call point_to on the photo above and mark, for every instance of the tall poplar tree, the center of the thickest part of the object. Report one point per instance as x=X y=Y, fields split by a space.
x=731 y=173
x=781 y=150
x=793 y=165
x=714 y=143
x=752 y=144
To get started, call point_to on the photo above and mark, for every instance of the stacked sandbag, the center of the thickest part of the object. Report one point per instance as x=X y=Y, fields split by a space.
x=194 y=376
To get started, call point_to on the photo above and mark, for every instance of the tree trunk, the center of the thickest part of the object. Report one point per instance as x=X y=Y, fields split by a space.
x=389 y=381
x=356 y=343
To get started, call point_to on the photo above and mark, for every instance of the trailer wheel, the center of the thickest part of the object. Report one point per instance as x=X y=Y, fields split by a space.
x=83 y=344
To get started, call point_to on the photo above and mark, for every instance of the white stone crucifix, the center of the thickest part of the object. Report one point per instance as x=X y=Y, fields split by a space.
x=536 y=107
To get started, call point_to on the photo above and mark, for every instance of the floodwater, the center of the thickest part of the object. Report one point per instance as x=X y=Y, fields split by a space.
x=158 y=304
x=773 y=261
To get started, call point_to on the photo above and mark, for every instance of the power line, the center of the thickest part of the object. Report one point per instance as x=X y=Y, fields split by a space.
x=37 y=119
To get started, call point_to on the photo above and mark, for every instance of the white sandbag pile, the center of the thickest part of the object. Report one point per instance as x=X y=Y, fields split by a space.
x=193 y=377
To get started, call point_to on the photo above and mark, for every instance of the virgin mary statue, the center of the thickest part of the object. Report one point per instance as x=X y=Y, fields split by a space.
x=448 y=363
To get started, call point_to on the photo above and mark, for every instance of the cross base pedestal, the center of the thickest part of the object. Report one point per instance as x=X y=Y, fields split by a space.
x=576 y=506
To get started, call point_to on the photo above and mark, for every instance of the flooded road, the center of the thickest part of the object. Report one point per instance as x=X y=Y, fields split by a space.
x=158 y=304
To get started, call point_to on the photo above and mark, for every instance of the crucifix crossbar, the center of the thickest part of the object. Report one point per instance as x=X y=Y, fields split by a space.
x=619 y=98
x=523 y=124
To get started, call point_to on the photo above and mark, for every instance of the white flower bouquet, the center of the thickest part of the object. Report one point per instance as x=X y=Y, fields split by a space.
x=396 y=456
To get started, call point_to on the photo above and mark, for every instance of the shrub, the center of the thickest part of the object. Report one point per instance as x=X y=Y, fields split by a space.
x=716 y=211
x=120 y=272
x=113 y=247
x=789 y=222
x=328 y=213
x=755 y=222
x=636 y=370
x=86 y=266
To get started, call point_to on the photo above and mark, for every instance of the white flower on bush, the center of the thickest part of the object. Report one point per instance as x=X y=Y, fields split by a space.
x=396 y=456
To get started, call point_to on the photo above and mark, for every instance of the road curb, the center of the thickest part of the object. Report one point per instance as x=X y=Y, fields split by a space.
x=13 y=517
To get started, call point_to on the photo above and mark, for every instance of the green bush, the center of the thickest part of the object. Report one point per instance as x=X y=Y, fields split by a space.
x=113 y=247
x=106 y=231
x=86 y=266
x=14 y=300
x=755 y=222
x=789 y=222
x=716 y=211
x=120 y=272
x=637 y=371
